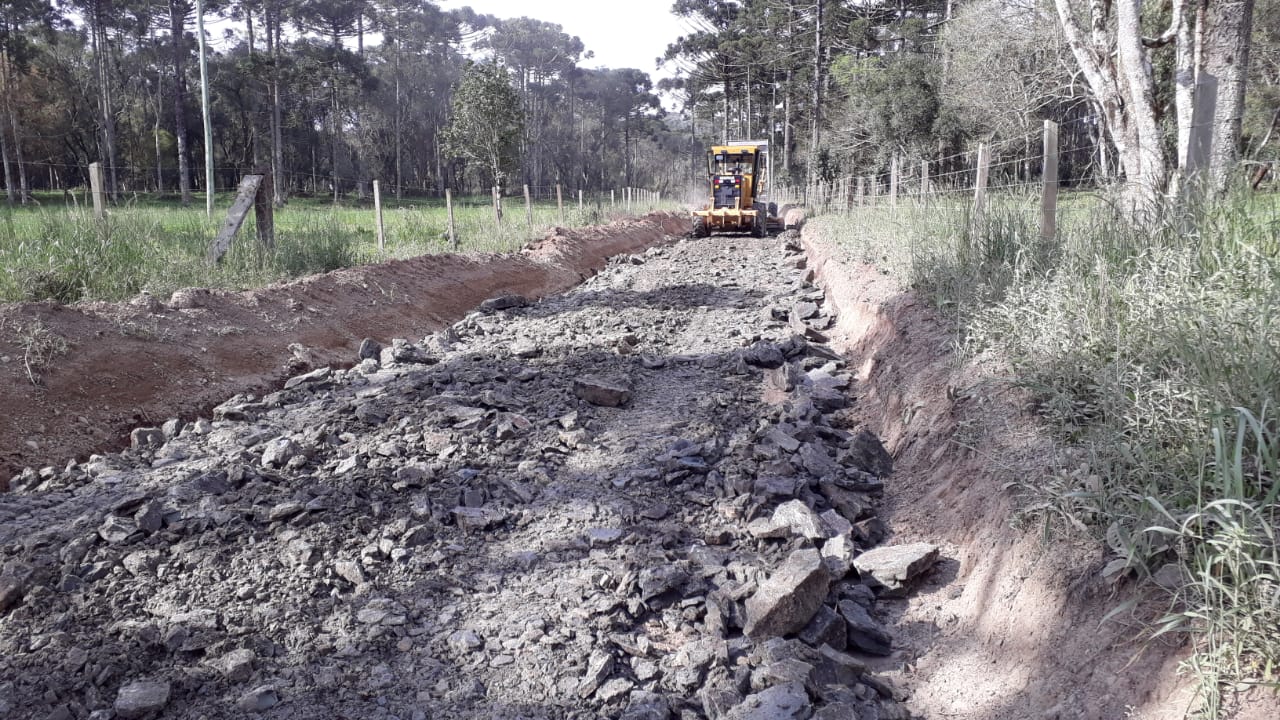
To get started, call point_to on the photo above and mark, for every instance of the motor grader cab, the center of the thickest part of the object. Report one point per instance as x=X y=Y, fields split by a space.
x=738 y=175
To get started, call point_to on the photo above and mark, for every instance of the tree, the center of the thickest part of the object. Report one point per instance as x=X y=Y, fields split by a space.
x=19 y=20
x=486 y=122
x=1117 y=62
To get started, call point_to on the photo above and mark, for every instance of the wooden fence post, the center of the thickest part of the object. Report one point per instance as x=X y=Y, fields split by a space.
x=862 y=190
x=579 y=201
x=377 y=210
x=264 y=210
x=98 y=185
x=497 y=205
x=1049 y=192
x=893 y=181
x=453 y=232
x=528 y=207
x=560 y=202
x=247 y=196
x=980 y=182
x=611 y=199
x=924 y=179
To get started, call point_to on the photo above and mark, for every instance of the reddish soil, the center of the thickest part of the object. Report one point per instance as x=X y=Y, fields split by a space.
x=135 y=363
x=1011 y=625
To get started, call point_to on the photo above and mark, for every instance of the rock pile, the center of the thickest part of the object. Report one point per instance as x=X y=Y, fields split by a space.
x=640 y=499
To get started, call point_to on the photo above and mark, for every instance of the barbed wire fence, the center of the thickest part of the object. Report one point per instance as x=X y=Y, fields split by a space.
x=514 y=211
x=1072 y=158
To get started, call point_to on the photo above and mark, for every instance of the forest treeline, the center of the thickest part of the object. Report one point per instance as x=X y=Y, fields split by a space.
x=332 y=94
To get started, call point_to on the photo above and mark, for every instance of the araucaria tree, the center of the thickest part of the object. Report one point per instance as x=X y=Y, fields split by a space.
x=487 y=121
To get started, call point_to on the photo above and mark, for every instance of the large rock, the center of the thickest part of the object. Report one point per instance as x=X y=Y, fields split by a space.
x=12 y=588
x=764 y=354
x=598 y=391
x=780 y=702
x=867 y=453
x=503 y=302
x=140 y=699
x=865 y=633
x=403 y=351
x=793 y=219
x=894 y=567
x=263 y=697
x=786 y=602
x=791 y=518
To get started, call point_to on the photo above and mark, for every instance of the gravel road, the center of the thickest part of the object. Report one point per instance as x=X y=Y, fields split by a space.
x=639 y=499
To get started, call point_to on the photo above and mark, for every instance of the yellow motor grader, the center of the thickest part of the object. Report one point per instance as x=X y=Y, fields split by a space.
x=739 y=174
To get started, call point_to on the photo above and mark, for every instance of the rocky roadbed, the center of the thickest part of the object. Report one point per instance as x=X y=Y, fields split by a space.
x=643 y=499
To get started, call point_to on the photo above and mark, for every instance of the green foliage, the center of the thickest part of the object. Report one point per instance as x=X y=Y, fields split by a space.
x=894 y=102
x=486 y=121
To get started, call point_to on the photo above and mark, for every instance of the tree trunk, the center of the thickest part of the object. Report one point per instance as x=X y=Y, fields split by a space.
x=100 y=51
x=1124 y=91
x=1184 y=76
x=1228 y=27
x=786 y=97
x=815 y=135
x=177 y=30
x=335 y=123
x=278 y=184
x=1148 y=156
x=253 y=124
x=10 y=196
x=725 y=129
x=399 y=116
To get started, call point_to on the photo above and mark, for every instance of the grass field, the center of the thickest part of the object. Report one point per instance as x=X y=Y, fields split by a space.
x=51 y=251
x=1154 y=353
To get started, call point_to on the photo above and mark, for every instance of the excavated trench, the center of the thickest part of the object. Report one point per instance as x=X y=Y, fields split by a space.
x=661 y=494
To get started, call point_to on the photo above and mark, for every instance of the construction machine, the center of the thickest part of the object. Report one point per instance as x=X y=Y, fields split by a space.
x=738 y=173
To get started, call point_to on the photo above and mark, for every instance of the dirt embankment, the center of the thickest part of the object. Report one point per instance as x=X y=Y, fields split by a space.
x=1016 y=634
x=126 y=364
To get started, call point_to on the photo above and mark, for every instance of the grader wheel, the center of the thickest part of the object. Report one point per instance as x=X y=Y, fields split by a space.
x=700 y=229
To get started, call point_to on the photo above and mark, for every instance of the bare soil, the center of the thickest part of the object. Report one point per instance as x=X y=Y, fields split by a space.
x=138 y=363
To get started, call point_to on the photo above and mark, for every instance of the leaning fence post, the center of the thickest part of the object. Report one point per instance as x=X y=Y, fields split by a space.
x=980 y=182
x=453 y=232
x=247 y=196
x=1049 y=192
x=98 y=184
x=377 y=211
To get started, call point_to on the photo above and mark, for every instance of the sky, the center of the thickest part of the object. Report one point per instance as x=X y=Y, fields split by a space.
x=621 y=33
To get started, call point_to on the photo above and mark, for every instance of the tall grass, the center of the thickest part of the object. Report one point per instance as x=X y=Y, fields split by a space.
x=66 y=255
x=1154 y=353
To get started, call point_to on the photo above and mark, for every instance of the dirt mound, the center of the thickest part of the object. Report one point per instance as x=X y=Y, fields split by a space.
x=103 y=368
x=1012 y=629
